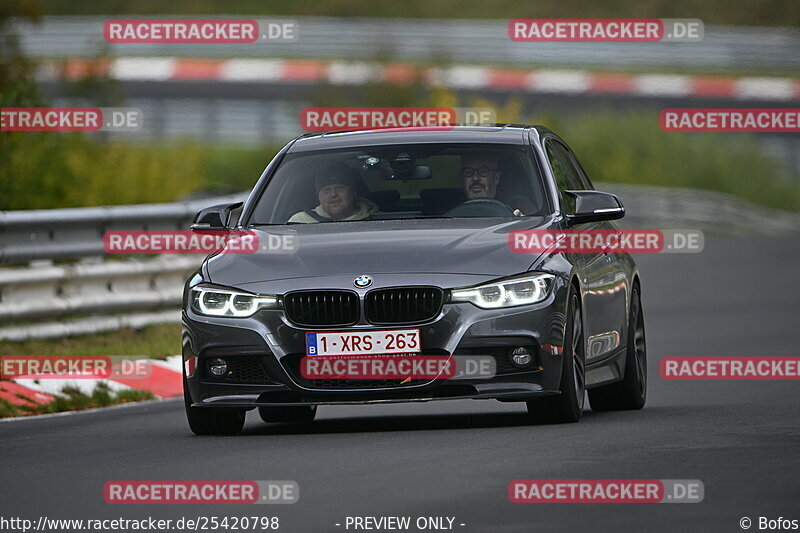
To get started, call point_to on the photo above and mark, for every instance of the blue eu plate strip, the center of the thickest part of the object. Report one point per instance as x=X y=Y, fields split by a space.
x=311 y=343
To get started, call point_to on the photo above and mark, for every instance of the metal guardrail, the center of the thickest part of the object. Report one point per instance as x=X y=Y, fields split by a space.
x=145 y=291
x=78 y=232
x=655 y=207
x=138 y=292
x=433 y=40
x=56 y=291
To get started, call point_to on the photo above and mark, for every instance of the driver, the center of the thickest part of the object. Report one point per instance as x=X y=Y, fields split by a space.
x=336 y=190
x=480 y=176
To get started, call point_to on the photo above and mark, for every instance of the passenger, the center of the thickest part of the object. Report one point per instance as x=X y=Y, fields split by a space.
x=336 y=187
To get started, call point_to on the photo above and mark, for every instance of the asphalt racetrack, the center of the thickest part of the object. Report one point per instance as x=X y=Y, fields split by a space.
x=455 y=459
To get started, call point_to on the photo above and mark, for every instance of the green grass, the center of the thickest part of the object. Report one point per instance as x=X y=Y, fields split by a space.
x=155 y=342
x=74 y=400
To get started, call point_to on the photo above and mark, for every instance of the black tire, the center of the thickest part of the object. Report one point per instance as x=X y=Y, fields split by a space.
x=567 y=407
x=289 y=413
x=631 y=392
x=212 y=420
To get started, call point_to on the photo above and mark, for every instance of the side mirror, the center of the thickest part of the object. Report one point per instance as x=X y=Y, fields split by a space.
x=593 y=206
x=216 y=217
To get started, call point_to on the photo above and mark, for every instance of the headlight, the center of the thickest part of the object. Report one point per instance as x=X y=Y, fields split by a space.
x=519 y=291
x=214 y=301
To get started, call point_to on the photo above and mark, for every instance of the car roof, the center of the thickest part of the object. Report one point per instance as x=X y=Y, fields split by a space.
x=492 y=134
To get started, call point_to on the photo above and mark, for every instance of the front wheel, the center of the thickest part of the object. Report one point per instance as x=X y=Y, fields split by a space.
x=631 y=392
x=568 y=406
x=212 y=420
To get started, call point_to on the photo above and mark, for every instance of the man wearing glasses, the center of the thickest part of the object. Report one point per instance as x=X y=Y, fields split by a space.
x=480 y=176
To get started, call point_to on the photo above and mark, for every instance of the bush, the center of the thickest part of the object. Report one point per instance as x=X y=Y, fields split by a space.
x=65 y=170
x=51 y=170
x=236 y=169
x=631 y=148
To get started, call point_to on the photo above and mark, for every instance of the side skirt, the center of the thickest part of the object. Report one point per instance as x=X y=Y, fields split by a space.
x=609 y=370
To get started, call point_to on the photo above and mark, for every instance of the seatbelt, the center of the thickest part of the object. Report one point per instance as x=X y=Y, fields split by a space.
x=316 y=216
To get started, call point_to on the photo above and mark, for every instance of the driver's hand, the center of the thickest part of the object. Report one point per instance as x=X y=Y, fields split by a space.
x=518 y=213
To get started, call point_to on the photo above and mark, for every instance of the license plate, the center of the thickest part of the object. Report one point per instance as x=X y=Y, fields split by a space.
x=363 y=342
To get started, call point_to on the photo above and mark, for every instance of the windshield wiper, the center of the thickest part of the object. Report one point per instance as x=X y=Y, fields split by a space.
x=416 y=218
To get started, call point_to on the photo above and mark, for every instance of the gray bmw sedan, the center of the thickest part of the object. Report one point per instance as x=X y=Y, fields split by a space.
x=403 y=246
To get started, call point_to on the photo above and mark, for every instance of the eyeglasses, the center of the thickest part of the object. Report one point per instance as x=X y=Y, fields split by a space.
x=483 y=172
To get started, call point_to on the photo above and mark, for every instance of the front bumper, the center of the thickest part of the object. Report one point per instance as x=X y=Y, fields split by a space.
x=265 y=349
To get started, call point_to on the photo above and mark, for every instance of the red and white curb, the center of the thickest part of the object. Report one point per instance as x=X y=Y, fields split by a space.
x=164 y=380
x=17 y=394
x=456 y=77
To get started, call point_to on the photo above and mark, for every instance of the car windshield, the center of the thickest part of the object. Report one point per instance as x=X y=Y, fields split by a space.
x=402 y=181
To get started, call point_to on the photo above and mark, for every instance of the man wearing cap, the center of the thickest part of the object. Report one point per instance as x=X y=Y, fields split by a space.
x=336 y=189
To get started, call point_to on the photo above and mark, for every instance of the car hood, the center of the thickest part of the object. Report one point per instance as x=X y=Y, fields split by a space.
x=438 y=246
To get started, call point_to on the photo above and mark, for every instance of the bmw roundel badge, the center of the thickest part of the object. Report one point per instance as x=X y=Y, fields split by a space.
x=362 y=281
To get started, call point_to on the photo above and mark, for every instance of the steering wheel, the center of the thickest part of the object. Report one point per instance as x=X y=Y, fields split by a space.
x=481 y=207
